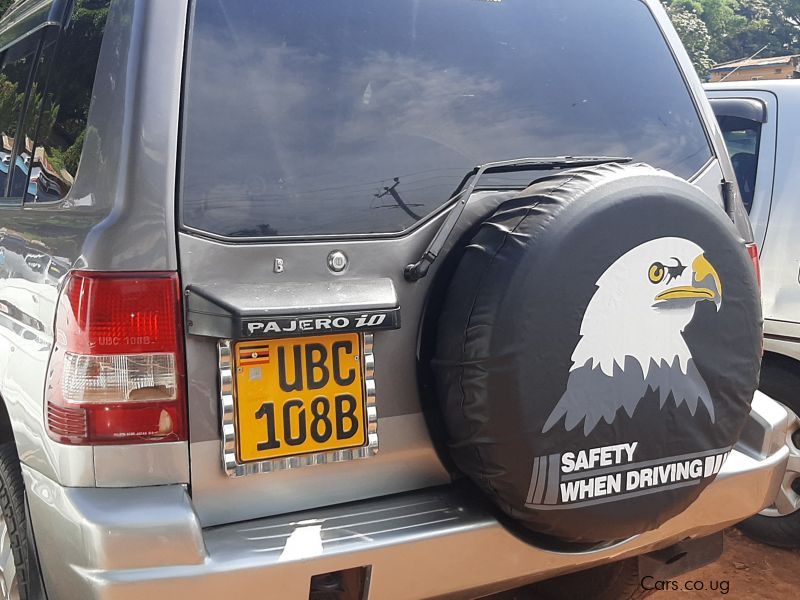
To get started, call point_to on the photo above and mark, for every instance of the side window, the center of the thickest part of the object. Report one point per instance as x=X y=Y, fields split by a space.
x=743 y=139
x=34 y=118
x=15 y=73
x=63 y=109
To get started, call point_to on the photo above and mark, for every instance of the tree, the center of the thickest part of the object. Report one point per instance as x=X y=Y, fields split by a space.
x=737 y=28
x=787 y=16
x=694 y=34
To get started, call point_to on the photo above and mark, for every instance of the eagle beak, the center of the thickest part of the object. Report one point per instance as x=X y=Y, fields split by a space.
x=705 y=285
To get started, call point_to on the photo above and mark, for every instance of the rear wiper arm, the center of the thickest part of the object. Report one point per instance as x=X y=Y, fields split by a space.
x=418 y=270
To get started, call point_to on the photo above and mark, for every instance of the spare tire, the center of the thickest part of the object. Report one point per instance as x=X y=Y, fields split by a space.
x=597 y=351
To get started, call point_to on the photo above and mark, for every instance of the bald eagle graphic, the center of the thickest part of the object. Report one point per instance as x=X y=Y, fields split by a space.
x=631 y=335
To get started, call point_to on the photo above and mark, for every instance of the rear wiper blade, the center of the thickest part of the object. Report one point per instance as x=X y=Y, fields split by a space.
x=418 y=270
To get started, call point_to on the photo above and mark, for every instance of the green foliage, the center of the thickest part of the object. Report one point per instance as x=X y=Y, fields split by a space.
x=10 y=105
x=736 y=28
x=694 y=33
x=62 y=111
x=73 y=86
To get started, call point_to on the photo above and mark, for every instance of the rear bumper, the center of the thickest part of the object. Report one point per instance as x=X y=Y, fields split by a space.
x=147 y=542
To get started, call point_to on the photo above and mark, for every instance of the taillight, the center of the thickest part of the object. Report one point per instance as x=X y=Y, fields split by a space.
x=116 y=374
x=752 y=250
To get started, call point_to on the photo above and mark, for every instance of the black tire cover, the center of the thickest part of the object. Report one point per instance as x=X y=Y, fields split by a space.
x=597 y=351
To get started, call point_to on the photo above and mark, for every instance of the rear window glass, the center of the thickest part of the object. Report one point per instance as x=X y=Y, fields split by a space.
x=337 y=117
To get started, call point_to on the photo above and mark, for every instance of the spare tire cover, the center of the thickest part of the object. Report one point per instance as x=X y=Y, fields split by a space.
x=597 y=351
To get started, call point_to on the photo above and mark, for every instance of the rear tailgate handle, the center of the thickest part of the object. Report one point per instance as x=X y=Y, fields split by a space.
x=264 y=311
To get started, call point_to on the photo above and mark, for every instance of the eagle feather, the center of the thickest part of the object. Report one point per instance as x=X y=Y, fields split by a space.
x=632 y=341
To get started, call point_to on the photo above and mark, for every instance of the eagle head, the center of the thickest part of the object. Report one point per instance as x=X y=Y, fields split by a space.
x=631 y=333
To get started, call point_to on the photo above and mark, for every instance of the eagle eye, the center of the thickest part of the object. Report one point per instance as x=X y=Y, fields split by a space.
x=657 y=272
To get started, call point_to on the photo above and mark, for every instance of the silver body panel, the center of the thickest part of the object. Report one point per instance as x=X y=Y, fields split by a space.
x=149 y=531
x=120 y=217
x=395 y=358
x=775 y=213
x=232 y=267
x=146 y=464
x=406 y=461
x=158 y=548
x=123 y=207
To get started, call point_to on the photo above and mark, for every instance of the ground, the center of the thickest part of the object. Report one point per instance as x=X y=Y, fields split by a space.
x=747 y=570
x=751 y=570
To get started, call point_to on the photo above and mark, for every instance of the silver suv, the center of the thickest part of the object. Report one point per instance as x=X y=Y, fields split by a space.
x=347 y=299
x=759 y=121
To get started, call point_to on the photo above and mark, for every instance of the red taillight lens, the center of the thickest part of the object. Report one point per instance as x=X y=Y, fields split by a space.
x=116 y=373
x=752 y=250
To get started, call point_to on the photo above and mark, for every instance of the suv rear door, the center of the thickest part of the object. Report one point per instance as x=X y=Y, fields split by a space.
x=748 y=120
x=321 y=146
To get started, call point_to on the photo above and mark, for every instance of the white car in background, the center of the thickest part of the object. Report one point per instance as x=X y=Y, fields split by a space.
x=760 y=121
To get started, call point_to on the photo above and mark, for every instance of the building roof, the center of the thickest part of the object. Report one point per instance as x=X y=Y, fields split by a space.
x=788 y=60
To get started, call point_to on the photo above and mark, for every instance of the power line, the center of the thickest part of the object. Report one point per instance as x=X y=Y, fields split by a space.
x=743 y=61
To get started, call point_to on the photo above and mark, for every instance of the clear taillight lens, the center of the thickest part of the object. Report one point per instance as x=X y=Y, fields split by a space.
x=116 y=373
x=119 y=377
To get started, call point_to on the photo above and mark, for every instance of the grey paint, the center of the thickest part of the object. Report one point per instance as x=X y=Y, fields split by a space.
x=145 y=464
x=709 y=120
x=117 y=216
x=121 y=214
x=402 y=463
x=126 y=543
x=764 y=432
x=781 y=337
x=141 y=124
x=405 y=461
x=23 y=376
x=775 y=213
x=409 y=540
x=213 y=309
x=395 y=351
x=204 y=261
x=286 y=297
x=712 y=127
x=709 y=179
x=762 y=197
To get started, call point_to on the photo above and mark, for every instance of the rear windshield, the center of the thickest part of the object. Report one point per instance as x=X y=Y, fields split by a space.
x=348 y=117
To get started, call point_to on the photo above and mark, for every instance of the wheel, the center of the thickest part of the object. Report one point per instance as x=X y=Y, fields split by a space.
x=616 y=581
x=597 y=351
x=14 y=548
x=779 y=524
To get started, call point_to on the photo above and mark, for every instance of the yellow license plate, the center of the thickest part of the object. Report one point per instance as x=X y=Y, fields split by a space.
x=299 y=396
